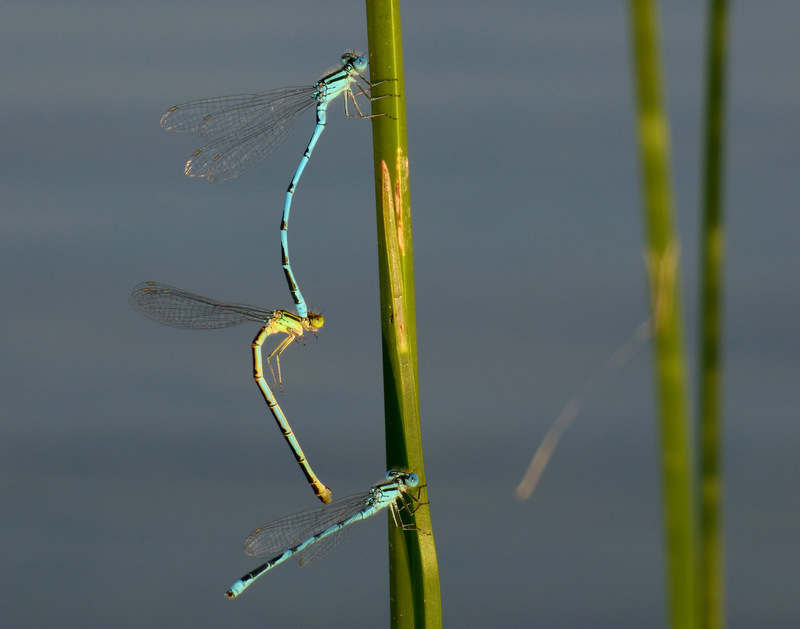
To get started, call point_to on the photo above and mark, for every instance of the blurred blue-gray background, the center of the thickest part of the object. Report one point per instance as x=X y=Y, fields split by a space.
x=134 y=458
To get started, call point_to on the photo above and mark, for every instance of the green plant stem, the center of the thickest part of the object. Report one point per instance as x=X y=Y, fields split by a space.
x=712 y=577
x=662 y=254
x=414 y=572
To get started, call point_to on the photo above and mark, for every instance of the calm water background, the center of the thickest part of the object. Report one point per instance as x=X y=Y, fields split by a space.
x=134 y=458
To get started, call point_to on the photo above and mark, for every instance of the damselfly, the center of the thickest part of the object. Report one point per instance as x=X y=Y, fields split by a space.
x=309 y=536
x=243 y=130
x=181 y=309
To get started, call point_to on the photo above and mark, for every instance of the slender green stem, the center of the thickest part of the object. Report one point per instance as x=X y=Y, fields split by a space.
x=414 y=571
x=712 y=577
x=662 y=253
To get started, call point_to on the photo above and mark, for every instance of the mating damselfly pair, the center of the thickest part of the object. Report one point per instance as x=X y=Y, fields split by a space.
x=240 y=131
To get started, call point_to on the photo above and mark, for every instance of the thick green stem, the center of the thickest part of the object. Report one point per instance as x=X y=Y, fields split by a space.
x=662 y=254
x=414 y=572
x=712 y=576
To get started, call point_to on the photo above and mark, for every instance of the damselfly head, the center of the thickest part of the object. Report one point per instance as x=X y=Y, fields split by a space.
x=407 y=478
x=356 y=60
x=315 y=320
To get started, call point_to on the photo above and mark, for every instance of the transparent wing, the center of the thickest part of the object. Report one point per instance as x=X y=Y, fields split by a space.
x=241 y=130
x=280 y=535
x=322 y=548
x=218 y=117
x=181 y=309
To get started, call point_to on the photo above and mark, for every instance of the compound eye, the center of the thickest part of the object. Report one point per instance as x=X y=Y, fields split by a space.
x=360 y=63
